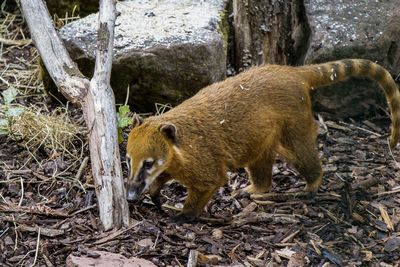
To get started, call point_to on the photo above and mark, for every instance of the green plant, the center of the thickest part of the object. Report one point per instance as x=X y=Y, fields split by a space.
x=9 y=111
x=123 y=120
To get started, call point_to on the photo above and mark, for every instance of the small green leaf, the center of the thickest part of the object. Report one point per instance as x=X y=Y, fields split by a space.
x=9 y=95
x=124 y=122
x=123 y=110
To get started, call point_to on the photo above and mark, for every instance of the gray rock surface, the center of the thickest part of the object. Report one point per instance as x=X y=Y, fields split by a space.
x=165 y=50
x=106 y=259
x=353 y=29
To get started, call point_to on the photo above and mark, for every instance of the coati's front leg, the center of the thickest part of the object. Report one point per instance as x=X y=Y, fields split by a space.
x=195 y=202
x=155 y=188
x=260 y=173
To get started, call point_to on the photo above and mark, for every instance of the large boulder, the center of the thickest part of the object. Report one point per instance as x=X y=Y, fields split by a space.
x=353 y=29
x=165 y=51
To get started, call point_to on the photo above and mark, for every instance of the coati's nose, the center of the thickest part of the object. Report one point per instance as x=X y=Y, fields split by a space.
x=132 y=195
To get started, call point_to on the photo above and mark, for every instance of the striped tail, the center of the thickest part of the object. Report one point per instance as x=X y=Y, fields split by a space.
x=335 y=71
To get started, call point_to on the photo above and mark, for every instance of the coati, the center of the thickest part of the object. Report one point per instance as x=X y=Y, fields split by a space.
x=243 y=121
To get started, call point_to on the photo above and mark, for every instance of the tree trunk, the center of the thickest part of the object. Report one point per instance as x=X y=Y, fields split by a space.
x=268 y=31
x=96 y=98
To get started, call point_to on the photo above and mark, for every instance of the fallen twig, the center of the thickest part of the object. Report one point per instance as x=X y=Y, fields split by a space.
x=15 y=42
x=116 y=234
x=44 y=231
x=387 y=193
x=22 y=192
x=83 y=210
x=336 y=126
x=365 y=184
x=82 y=168
x=39 y=210
x=361 y=129
x=280 y=196
x=37 y=248
x=265 y=199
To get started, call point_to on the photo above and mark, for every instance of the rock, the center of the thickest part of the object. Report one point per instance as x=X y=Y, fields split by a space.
x=164 y=51
x=104 y=259
x=269 y=32
x=353 y=29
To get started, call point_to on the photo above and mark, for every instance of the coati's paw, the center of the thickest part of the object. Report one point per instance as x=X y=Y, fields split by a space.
x=251 y=189
x=157 y=201
x=313 y=186
x=183 y=218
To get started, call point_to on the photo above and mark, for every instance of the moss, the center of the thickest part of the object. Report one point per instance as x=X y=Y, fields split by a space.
x=223 y=27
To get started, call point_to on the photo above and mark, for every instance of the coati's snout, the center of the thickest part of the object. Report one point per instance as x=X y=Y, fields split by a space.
x=148 y=156
x=144 y=177
x=134 y=191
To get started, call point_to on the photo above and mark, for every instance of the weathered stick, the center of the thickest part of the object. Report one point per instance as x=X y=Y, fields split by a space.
x=69 y=80
x=96 y=98
x=101 y=118
x=40 y=210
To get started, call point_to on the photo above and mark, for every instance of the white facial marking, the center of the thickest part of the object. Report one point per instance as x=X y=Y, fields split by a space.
x=150 y=171
x=138 y=169
x=150 y=179
x=160 y=162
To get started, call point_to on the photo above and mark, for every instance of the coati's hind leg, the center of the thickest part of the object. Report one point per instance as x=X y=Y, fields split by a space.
x=260 y=173
x=299 y=148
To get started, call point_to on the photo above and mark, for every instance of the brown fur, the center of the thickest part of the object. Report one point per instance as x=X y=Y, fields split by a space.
x=243 y=122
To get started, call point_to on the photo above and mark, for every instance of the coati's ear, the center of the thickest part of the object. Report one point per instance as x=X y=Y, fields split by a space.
x=137 y=120
x=169 y=131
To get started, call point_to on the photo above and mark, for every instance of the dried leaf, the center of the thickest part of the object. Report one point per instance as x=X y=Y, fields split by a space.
x=386 y=218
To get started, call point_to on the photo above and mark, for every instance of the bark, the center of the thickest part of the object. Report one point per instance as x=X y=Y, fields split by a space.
x=96 y=98
x=274 y=32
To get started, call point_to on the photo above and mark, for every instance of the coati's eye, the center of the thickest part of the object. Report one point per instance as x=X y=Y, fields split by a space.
x=147 y=164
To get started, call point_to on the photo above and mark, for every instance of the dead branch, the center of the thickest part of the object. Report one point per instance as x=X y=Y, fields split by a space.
x=49 y=232
x=39 y=210
x=62 y=69
x=101 y=118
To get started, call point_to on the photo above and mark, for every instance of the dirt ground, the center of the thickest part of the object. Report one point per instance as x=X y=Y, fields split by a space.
x=353 y=221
